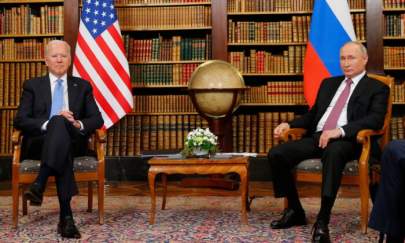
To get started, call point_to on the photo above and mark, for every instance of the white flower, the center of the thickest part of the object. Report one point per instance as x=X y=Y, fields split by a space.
x=201 y=138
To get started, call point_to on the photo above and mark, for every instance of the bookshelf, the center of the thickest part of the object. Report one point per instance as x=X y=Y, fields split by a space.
x=162 y=53
x=394 y=60
x=26 y=27
x=267 y=42
x=265 y=39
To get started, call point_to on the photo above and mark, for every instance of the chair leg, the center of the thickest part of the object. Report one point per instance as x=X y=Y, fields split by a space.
x=364 y=201
x=24 y=200
x=101 y=201
x=164 y=183
x=89 y=196
x=15 y=193
x=24 y=204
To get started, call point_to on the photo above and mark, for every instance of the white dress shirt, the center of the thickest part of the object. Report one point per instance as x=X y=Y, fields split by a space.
x=52 y=79
x=343 y=116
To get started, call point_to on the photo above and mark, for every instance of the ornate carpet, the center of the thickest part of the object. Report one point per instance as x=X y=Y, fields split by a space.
x=186 y=219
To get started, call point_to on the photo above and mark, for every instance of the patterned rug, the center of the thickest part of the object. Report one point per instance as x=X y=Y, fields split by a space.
x=186 y=219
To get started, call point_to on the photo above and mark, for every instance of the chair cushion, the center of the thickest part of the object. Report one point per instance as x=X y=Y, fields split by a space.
x=315 y=165
x=80 y=164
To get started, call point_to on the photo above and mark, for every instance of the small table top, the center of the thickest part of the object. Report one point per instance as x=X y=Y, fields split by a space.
x=199 y=161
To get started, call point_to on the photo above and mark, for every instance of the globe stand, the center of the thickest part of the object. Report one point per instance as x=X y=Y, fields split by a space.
x=222 y=128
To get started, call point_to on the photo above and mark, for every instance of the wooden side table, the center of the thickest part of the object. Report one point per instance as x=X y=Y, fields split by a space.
x=201 y=166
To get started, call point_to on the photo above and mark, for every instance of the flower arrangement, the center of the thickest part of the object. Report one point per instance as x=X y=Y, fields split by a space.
x=200 y=142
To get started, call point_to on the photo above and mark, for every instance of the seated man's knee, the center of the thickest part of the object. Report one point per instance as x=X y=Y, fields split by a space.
x=335 y=150
x=395 y=145
x=394 y=150
x=275 y=155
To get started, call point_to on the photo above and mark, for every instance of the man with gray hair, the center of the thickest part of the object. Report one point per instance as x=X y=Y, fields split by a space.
x=56 y=114
x=344 y=106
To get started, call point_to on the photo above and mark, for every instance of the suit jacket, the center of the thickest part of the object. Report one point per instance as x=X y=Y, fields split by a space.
x=36 y=102
x=366 y=108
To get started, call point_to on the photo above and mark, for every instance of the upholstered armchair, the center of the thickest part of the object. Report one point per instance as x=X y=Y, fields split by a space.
x=357 y=171
x=88 y=169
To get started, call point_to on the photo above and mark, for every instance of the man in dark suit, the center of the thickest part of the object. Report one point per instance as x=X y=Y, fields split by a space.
x=56 y=115
x=344 y=105
x=388 y=214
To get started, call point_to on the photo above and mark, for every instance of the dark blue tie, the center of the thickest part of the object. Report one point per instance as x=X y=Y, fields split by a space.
x=57 y=98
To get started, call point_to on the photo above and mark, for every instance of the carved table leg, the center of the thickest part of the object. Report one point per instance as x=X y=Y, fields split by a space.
x=151 y=179
x=164 y=182
x=243 y=185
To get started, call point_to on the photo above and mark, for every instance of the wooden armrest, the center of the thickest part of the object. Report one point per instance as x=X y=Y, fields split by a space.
x=16 y=137
x=100 y=135
x=292 y=133
x=364 y=135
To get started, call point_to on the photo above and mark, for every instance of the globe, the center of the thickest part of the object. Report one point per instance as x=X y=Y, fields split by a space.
x=215 y=88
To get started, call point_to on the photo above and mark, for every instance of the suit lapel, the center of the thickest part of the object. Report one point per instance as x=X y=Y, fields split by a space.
x=361 y=87
x=331 y=91
x=72 y=92
x=47 y=93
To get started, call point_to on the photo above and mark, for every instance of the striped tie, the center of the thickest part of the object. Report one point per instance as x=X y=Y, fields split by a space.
x=57 y=98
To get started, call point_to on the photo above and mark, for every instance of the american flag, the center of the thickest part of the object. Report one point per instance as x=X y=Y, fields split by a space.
x=100 y=59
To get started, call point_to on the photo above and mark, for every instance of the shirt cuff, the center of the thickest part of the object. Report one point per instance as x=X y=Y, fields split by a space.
x=81 y=125
x=342 y=131
x=44 y=126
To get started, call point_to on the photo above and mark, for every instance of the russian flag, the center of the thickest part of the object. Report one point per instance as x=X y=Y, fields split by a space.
x=331 y=27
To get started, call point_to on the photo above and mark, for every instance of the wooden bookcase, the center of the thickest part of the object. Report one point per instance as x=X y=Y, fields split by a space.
x=394 y=60
x=154 y=30
x=26 y=26
x=162 y=53
x=267 y=43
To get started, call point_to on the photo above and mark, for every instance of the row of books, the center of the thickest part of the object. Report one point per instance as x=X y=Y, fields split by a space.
x=359 y=25
x=135 y=134
x=26 y=19
x=399 y=92
x=251 y=132
x=397 y=128
x=22 y=49
x=393 y=3
x=289 y=61
x=162 y=103
x=161 y=74
x=269 y=6
x=6 y=129
x=281 y=5
x=157 y=1
x=295 y=30
x=12 y=76
x=254 y=132
x=281 y=92
x=169 y=17
x=357 y=4
x=394 y=25
x=163 y=49
x=394 y=56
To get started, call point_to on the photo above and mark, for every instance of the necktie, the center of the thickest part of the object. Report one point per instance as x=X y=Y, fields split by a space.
x=57 y=98
x=331 y=121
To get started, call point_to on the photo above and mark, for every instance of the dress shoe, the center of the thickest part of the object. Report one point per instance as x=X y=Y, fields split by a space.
x=34 y=193
x=320 y=232
x=290 y=218
x=67 y=228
